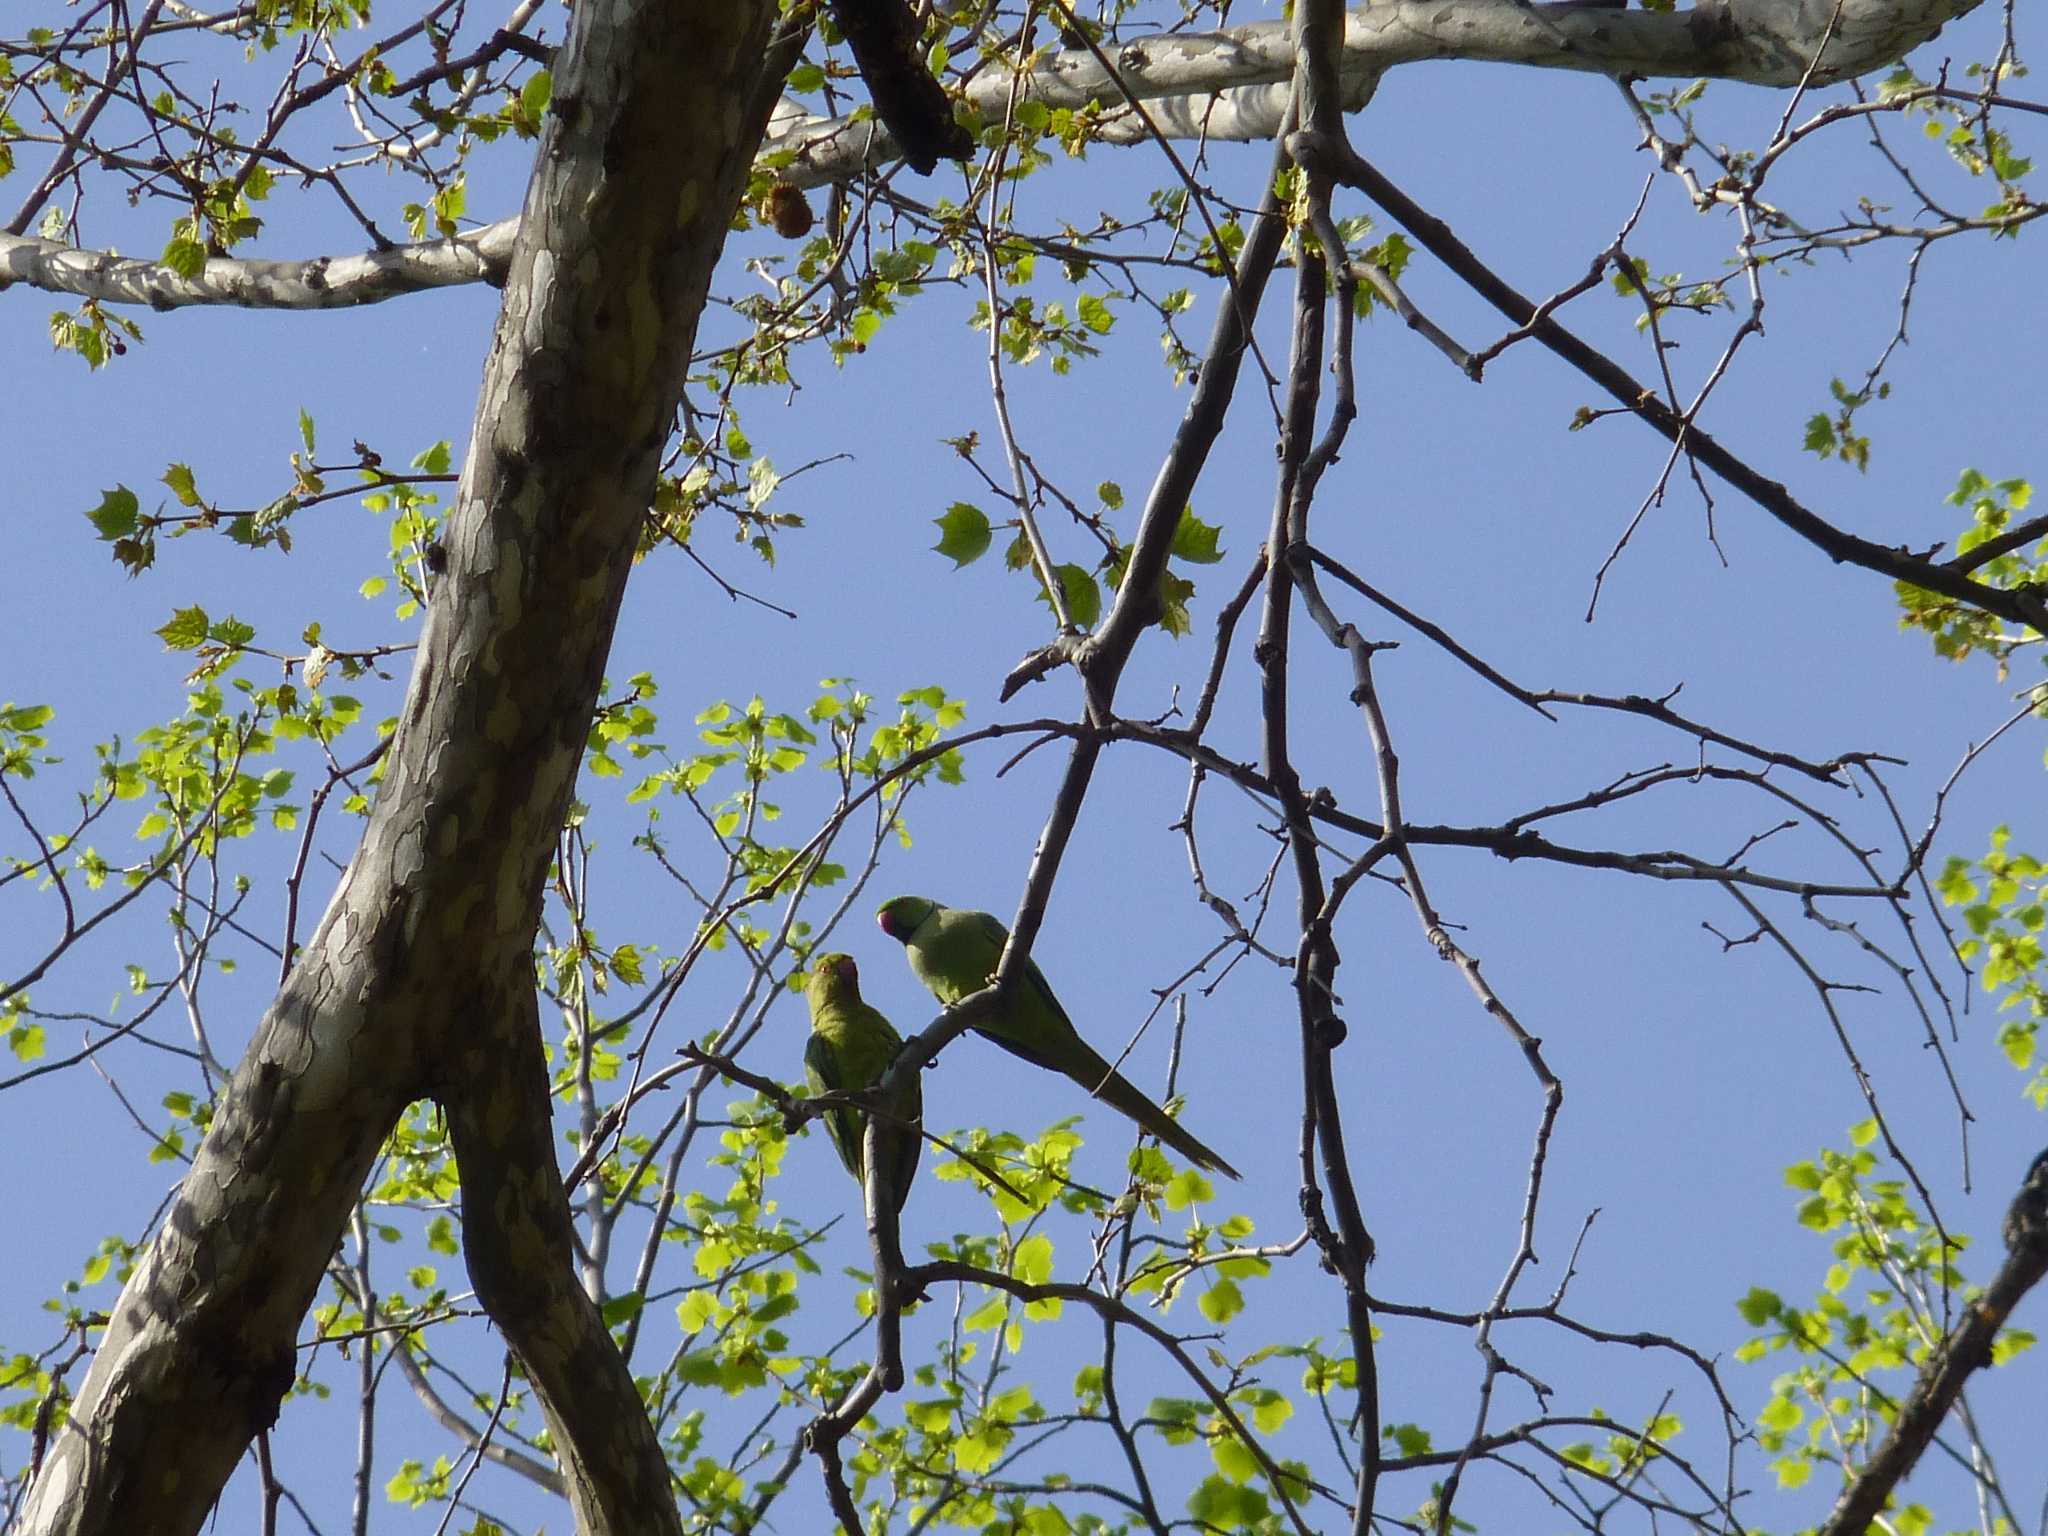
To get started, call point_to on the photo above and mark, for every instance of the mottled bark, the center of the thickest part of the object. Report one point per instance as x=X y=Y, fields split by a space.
x=516 y=1238
x=419 y=978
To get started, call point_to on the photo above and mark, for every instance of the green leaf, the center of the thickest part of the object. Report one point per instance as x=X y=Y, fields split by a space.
x=1222 y=1301
x=2012 y=1342
x=1793 y=1471
x=1227 y=1506
x=1233 y=1458
x=185 y=256
x=1195 y=540
x=695 y=1310
x=699 y=1367
x=1084 y=597
x=179 y=478
x=933 y=1416
x=1270 y=1409
x=1580 y=1454
x=985 y=1316
x=535 y=95
x=1409 y=1439
x=231 y=631
x=186 y=630
x=1177 y=1418
x=1032 y=1262
x=1174 y=594
x=1781 y=1414
x=117 y=515
x=981 y=1449
x=1759 y=1306
x=963 y=534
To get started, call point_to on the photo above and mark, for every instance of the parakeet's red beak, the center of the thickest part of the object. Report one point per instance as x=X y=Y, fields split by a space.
x=884 y=919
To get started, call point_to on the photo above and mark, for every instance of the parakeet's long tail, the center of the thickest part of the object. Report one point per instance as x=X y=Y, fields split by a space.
x=1118 y=1093
x=1078 y=1060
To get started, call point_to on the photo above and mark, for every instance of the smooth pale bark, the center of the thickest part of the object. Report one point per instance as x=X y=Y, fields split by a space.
x=419 y=979
x=1230 y=84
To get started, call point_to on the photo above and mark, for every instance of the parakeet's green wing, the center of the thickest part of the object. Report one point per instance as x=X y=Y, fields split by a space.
x=827 y=1074
x=1034 y=979
x=851 y=1048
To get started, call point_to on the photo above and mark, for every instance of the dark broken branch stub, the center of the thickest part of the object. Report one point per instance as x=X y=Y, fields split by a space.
x=885 y=36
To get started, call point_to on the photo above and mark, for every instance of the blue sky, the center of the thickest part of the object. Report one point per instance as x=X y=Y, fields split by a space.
x=1693 y=1074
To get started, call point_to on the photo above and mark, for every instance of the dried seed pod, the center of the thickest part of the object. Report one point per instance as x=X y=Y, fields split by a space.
x=785 y=211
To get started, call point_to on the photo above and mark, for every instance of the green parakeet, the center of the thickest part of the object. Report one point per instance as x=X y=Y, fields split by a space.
x=851 y=1046
x=955 y=953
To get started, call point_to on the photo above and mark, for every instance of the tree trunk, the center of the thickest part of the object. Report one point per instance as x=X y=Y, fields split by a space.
x=419 y=979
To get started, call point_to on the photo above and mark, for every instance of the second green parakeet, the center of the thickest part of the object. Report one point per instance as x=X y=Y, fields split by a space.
x=851 y=1046
x=954 y=952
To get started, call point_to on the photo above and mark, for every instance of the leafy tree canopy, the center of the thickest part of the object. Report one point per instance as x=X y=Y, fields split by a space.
x=1480 y=625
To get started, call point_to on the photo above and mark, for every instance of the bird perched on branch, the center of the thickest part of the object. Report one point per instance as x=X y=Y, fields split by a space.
x=884 y=36
x=851 y=1046
x=954 y=953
